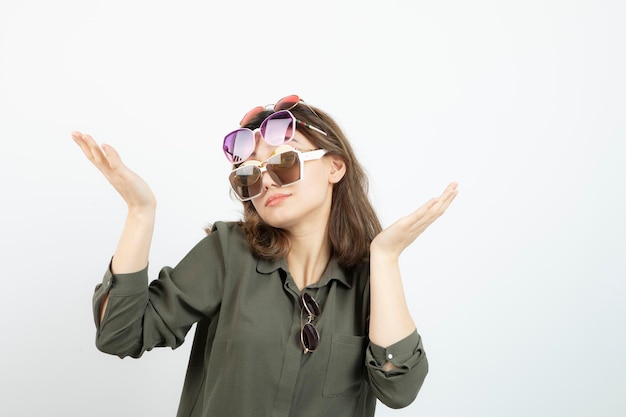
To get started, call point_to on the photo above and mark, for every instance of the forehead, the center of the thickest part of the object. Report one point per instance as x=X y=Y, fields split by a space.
x=300 y=142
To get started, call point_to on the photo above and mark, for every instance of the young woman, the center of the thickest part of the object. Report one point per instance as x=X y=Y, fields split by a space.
x=299 y=308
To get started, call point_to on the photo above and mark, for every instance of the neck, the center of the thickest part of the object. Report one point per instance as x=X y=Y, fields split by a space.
x=309 y=255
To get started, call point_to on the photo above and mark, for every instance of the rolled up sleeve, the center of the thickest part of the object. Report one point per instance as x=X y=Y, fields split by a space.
x=397 y=387
x=140 y=316
x=120 y=330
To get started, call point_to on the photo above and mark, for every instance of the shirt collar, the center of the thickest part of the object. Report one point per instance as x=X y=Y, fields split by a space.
x=333 y=271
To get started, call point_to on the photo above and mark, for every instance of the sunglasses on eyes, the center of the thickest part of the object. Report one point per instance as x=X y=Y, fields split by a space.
x=309 y=336
x=285 y=167
x=277 y=129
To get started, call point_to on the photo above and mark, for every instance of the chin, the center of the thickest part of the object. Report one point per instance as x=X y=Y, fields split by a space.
x=277 y=222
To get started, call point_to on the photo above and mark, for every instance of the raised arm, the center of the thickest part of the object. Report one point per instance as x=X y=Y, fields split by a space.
x=390 y=319
x=133 y=249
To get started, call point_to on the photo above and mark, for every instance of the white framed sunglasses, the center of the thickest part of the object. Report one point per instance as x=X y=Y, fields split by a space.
x=285 y=167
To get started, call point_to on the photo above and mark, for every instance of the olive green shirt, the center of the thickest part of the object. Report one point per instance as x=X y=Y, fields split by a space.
x=247 y=359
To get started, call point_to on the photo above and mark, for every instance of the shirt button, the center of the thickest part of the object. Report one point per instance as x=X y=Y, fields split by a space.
x=390 y=356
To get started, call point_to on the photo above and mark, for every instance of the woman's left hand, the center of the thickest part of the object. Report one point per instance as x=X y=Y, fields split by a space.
x=397 y=237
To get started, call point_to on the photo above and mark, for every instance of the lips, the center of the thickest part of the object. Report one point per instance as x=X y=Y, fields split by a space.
x=275 y=199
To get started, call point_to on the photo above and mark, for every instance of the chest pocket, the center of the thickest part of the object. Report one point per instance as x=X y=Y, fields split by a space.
x=344 y=374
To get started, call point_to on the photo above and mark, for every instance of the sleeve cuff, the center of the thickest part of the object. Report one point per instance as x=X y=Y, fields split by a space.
x=119 y=285
x=123 y=284
x=398 y=353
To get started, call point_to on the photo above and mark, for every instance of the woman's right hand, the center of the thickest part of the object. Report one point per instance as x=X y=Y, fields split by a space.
x=129 y=185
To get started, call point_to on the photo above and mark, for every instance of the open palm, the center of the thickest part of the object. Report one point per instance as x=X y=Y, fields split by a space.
x=129 y=185
x=397 y=237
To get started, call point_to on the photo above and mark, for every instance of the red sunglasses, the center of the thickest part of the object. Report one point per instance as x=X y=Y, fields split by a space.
x=285 y=103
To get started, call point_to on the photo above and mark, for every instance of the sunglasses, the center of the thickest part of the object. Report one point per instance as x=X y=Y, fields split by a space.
x=285 y=103
x=285 y=167
x=309 y=336
x=277 y=129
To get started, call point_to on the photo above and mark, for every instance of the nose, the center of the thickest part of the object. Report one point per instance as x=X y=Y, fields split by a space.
x=262 y=152
x=267 y=181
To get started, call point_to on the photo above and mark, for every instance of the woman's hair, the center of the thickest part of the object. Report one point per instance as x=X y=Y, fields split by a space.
x=353 y=222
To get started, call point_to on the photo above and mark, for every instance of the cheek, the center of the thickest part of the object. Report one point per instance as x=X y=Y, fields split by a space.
x=315 y=183
x=317 y=175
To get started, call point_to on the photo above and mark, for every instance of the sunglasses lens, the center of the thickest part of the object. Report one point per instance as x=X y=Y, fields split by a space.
x=285 y=168
x=238 y=145
x=278 y=128
x=251 y=115
x=310 y=305
x=310 y=337
x=287 y=103
x=245 y=181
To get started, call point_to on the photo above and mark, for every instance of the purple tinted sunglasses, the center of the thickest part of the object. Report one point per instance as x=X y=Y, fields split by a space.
x=277 y=129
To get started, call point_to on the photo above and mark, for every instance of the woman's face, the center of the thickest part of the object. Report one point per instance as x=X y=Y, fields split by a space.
x=306 y=202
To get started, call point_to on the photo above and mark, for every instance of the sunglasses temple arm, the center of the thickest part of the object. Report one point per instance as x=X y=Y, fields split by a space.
x=312 y=127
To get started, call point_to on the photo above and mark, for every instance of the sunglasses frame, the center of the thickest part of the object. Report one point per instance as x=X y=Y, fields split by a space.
x=283 y=105
x=262 y=167
x=308 y=303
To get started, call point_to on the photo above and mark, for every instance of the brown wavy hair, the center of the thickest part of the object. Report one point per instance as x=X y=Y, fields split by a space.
x=353 y=222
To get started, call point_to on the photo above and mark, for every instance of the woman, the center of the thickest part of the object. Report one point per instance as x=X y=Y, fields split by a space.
x=300 y=309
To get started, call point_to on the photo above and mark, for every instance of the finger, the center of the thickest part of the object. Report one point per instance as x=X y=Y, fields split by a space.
x=82 y=143
x=422 y=217
x=415 y=223
x=93 y=152
x=113 y=158
x=429 y=205
x=449 y=193
x=435 y=207
x=423 y=210
x=451 y=188
x=448 y=196
x=99 y=158
x=448 y=200
x=430 y=211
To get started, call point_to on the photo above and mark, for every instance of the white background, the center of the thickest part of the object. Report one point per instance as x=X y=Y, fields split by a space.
x=518 y=291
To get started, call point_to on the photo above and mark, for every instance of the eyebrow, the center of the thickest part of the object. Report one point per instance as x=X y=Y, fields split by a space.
x=301 y=146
